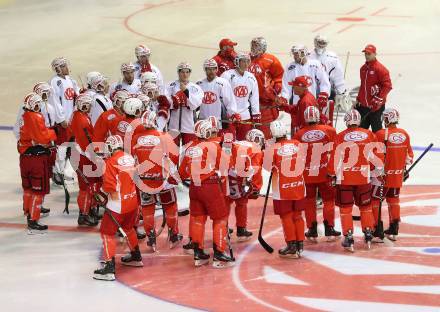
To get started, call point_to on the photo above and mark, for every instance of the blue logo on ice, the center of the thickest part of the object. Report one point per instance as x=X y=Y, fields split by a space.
x=434 y=250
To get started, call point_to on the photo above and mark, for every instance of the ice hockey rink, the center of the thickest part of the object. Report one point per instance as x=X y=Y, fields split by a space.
x=53 y=272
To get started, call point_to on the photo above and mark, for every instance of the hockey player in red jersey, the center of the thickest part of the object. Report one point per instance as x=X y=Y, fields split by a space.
x=158 y=103
x=122 y=205
x=288 y=188
x=33 y=146
x=89 y=179
x=398 y=154
x=268 y=71
x=200 y=164
x=110 y=118
x=350 y=163
x=244 y=177
x=157 y=156
x=320 y=140
x=132 y=110
x=225 y=57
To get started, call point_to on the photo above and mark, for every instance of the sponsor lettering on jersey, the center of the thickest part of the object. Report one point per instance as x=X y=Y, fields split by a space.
x=240 y=91
x=292 y=184
x=124 y=126
x=287 y=150
x=397 y=138
x=209 y=97
x=69 y=94
x=194 y=152
x=255 y=69
x=355 y=136
x=312 y=136
x=126 y=161
x=148 y=140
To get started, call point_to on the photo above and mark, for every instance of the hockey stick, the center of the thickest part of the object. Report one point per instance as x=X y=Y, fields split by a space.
x=245 y=122
x=109 y=213
x=345 y=72
x=378 y=232
x=66 y=191
x=406 y=175
x=263 y=243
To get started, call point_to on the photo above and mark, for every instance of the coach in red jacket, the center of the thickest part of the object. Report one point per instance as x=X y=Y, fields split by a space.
x=375 y=86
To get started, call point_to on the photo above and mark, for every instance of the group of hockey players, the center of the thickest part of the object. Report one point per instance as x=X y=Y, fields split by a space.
x=132 y=142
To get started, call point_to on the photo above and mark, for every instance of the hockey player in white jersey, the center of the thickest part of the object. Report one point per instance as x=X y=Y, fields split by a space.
x=186 y=97
x=65 y=90
x=218 y=98
x=143 y=65
x=88 y=89
x=101 y=101
x=245 y=89
x=332 y=65
x=158 y=103
x=302 y=66
x=128 y=82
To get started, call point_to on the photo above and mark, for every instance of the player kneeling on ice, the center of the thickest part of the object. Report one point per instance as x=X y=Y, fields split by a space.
x=319 y=140
x=398 y=154
x=350 y=165
x=200 y=165
x=245 y=178
x=33 y=146
x=282 y=159
x=157 y=156
x=121 y=209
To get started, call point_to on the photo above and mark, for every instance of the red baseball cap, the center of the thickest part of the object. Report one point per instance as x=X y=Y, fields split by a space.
x=370 y=49
x=227 y=42
x=301 y=81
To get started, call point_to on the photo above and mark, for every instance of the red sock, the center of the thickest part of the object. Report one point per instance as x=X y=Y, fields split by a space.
x=241 y=212
x=367 y=219
x=27 y=201
x=171 y=217
x=375 y=209
x=36 y=201
x=299 y=225
x=132 y=238
x=346 y=219
x=84 y=201
x=148 y=215
x=219 y=234
x=329 y=212
x=310 y=210
x=394 y=208
x=288 y=227
x=197 y=230
x=109 y=244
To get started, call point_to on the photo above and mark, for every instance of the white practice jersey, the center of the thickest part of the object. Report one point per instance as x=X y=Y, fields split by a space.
x=49 y=117
x=218 y=98
x=188 y=113
x=313 y=69
x=245 y=89
x=138 y=72
x=133 y=88
x=101 y=103
x=333 y=68
x=64 y=92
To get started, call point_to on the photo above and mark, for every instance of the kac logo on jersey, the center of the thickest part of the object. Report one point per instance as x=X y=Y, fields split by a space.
x=255 y=69
x=148 y=140
x=209 y=97
x=397 y=138
x=124 y=126
x=126 y=161
x=194 y=152
x=240 y=91
x=355 y=136
x=69 y=94
x=287 y=150
x=312 y=136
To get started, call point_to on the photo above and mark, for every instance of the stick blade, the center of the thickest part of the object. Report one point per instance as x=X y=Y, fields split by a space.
x=264 y=244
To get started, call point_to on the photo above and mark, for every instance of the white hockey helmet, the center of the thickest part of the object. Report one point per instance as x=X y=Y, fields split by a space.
x=320 y=43
x=258 y=46
x=352 y=118
x=215 y=123
x=256 y=136
x=57 y=63
x=145 y=99
x=203 y=129
x=184 y=65
x=149 y=88
x=32 y=102
x=113 y=143
x=239 y=57
x=98 y=83
x=90 y=76
x=299 y=49
x=83 y=102
x=127 y=67
x=142 y=50
x=120 y=97
x=149 y=77
x=133 y=107
x=278 y=129
x=390 y=116
x=43 y=89
x=149 y=119
x=312 y=114
x=209 y=63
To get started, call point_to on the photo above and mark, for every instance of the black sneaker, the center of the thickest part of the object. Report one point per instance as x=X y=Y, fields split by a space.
x=133 y=258
x=330 y=232
x=36 y=228
x=289 y=251
x=312 y=233
x=86 y=220
x=107 y=272
x=243 y=234
x=174 y=238
x=200 y=257
x=392 y=231
x=348 y=242
x=221 y=259
x=188 y=248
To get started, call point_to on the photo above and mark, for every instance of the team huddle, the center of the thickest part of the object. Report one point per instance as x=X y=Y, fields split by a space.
x=133 y=142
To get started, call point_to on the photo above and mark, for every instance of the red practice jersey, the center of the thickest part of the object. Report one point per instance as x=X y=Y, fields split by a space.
x=79 y=124
x=33 y=131
x=105 y=122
